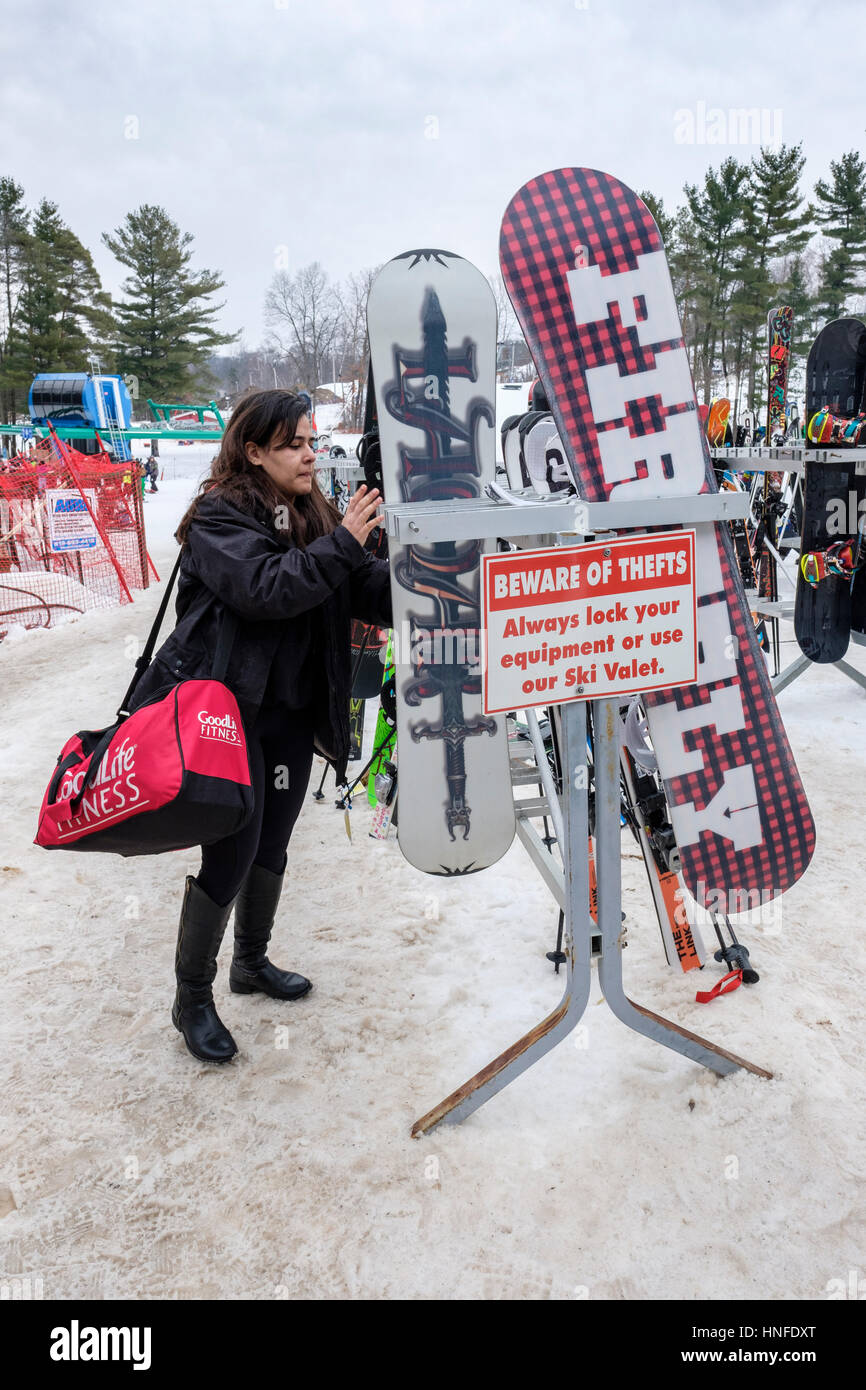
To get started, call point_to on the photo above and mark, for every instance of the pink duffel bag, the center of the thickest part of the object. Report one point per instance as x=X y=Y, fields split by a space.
x=173 y=774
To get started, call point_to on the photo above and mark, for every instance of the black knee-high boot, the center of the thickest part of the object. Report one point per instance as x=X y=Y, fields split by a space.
x=255 y=908
x=202 y=927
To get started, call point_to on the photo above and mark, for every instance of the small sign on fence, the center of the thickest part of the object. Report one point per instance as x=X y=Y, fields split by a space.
x=584 y=623
x=70 y=525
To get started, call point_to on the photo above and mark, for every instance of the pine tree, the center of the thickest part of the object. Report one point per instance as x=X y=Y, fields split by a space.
x=798 y=293
x=775 y=225
x=165 y=326
x=57 y=312
x=14 y=231
x=841 y=212
x=64 y=314
x=717 y=214
x=667 y=225
x=684 y=260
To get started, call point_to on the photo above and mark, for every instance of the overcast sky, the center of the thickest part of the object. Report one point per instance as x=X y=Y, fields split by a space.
x=348 y=132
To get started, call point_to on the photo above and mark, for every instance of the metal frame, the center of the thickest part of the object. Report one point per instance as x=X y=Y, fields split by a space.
x=762 y=460
x=571 y=522
x=411 y=522
x=801 y=663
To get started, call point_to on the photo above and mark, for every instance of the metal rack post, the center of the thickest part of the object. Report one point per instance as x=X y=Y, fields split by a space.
x=571 y=522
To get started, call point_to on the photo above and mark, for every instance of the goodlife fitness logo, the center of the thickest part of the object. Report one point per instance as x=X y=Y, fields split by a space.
x=733 y=812
x=112 y=794
x=221 y=727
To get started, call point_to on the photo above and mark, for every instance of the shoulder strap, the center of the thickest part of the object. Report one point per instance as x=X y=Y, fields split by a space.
x=225 y=641
x=143 y=661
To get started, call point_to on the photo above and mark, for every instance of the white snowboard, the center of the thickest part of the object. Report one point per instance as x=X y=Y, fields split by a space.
x=431 y=318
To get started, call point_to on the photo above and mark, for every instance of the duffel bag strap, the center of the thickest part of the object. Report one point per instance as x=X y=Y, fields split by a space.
x=96 y=758
x=225 y=642
x=63 y=767
x=143 y=661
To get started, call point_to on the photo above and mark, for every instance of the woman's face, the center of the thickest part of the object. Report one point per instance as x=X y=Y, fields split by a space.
x=291 y=465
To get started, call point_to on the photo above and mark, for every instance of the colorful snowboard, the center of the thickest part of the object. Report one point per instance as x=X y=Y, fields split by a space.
x=587 y=274
x=385 y=737
x=835 y=381
x=431 y=319
x=717 y=422
x=779 y=349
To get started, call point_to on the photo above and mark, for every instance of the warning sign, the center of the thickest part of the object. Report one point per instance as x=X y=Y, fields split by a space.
x=70 y=525
x=585 y=622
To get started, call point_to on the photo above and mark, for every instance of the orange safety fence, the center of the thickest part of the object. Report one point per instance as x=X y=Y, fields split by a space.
x=71 y=534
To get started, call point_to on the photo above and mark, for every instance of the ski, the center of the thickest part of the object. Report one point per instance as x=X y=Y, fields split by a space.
x=647 y=818
x=586 y=271
x=779 y=323
x=356 y=728
x=431 y=320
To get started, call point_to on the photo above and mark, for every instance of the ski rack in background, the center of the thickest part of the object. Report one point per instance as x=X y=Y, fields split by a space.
x=785 y=458
x=568 y=522
x=763 y=459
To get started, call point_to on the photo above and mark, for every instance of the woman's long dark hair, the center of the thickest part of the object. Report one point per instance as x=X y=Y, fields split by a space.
x=269 y=419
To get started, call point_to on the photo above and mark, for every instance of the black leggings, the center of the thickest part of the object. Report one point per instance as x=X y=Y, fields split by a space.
x=280 y=745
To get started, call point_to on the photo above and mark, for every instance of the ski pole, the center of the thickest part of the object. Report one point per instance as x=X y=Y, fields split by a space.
x=736 y=955
x=320 y=795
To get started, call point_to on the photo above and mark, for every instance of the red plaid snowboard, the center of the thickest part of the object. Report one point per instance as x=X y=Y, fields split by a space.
x=587 y=274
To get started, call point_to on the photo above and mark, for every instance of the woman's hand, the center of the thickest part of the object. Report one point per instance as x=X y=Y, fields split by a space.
x=361 y=517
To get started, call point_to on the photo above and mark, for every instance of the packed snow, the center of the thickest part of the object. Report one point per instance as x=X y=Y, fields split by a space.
x=613 y=1169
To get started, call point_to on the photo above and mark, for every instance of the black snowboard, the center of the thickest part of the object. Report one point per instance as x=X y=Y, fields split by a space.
x=835 y=377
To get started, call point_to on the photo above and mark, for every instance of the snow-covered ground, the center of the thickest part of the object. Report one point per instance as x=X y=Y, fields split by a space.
x=613 y=1169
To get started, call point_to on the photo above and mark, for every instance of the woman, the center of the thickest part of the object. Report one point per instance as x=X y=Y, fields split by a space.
x=263 y=542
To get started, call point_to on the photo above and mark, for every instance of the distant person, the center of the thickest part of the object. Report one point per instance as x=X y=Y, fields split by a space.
x=153 y=473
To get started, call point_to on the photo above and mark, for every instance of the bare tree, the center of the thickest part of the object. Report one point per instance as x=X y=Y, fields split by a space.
x=354 y=345
x=507 y=319
x=303 y=312
x=511 y=344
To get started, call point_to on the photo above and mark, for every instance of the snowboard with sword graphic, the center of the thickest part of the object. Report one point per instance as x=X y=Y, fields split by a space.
x=431 y=319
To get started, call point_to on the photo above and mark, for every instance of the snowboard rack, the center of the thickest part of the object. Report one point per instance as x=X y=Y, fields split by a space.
x=791 y=458
x=569 y=522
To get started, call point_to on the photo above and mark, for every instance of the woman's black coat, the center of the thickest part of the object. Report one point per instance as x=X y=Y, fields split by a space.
x=289 y=601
